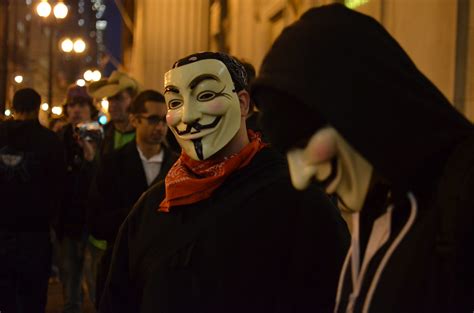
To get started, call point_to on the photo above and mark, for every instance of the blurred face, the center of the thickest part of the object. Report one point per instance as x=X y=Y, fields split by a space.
x=118 y=106
x=151 y=126
x=203 y=107
x=335 y=165
x=78 y=112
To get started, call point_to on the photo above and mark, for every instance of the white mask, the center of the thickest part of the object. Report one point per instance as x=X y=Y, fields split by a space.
x=326 y=149
x=203 y=107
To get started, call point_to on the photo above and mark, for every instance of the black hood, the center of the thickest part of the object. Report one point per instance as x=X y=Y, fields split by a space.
x=339 y=67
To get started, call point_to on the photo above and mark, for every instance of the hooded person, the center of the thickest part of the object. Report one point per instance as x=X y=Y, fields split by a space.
x=225 y=231
x=365 y=124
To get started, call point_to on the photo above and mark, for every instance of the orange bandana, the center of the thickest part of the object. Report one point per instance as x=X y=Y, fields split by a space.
x=190 y=181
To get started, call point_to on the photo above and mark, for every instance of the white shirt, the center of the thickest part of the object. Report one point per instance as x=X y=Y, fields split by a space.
x=151 y=166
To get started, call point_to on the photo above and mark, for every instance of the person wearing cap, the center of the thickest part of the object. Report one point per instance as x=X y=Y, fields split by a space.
x=71 y=230
x=31 y=178
x=119 y=89
x=225 y=231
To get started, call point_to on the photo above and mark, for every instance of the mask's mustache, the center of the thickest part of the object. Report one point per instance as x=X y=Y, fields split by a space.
x=323 y=184
x=198 y=127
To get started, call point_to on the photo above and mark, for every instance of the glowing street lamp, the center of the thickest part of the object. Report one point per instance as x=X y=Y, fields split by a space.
x=80 y=82
x=88 y=75
x=8 y=112
x=67 y=45
x=57 y=110
x=45 y=107
x=43 y=8
x=96 y=75
x=79 y=45
x=60 y=10
x=104 y=103
x=18 y=79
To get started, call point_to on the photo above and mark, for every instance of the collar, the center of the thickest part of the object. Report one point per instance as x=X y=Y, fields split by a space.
x=157 y=158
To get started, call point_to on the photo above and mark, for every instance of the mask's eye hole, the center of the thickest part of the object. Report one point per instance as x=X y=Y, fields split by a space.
x=206 y=95
x=174 y=104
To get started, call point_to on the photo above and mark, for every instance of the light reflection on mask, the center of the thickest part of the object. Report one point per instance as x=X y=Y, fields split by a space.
x=203 y=108
x=349 y=180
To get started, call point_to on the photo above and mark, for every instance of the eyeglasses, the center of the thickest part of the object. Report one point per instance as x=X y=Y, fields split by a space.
x=153 y=119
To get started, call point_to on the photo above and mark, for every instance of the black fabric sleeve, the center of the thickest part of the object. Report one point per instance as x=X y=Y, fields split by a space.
x=120 y=293
x=105 y=213
x=320 y=246
x=56 y=176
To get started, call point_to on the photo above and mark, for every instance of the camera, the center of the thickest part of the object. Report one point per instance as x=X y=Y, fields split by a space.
x=91 y=131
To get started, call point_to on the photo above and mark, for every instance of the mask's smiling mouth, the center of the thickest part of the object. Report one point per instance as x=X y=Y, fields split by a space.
x=194 y=130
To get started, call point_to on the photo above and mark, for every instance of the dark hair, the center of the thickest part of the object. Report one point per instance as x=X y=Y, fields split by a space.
x=138 y=104
x=131 y=91
x=251 y=74
x=236 y=69
x=75 y=100
x=26 y=100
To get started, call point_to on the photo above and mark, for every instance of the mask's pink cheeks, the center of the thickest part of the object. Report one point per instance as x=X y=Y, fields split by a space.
x=321 y=148
x=173 y=117
x=215 y=107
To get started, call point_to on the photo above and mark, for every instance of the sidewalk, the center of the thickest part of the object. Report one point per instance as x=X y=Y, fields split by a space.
x=55 y=300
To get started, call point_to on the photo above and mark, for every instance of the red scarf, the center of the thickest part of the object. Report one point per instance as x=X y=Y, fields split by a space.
x=190 y=181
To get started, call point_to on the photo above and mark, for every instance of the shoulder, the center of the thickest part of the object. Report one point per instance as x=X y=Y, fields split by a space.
x=169 y=155
x=148 y=202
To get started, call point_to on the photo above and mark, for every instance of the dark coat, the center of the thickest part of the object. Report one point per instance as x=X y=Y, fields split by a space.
x=337 y=67
x=108 y=143
x=79 y=175
x=257 y=245
x=119 y=183
x=31 y=176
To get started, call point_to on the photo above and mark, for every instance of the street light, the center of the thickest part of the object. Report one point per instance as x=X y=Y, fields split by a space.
x=18 y=79
x=57 y=110
x=67 y=45
x=104 y=103
x=94 y=76
x=80 y=82
x=45 y=107
x=60 y=10
x=79 y=45
x=8 y=112
x=43 y=9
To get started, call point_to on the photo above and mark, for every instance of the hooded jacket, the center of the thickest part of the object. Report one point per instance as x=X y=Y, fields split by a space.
x=339 y=67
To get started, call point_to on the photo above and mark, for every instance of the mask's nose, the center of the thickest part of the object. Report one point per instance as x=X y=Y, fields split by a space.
x=191 y=113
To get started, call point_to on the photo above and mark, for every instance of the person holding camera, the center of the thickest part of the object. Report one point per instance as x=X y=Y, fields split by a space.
x=79 y=148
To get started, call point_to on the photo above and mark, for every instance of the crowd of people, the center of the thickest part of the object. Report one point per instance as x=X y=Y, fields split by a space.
x=181 y=204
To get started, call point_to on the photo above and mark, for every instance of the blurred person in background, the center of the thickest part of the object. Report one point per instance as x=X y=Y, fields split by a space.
x=31 y=180
x=119 y=89
x=80 y=166
x=129 y=171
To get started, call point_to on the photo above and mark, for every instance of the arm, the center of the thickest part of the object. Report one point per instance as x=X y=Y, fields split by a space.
x=321 y=243
x=121 y=294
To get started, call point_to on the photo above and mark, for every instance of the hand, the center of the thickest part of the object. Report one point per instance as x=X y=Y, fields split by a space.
x=89 y=148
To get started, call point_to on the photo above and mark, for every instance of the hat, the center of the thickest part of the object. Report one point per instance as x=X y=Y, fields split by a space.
x=109 y=87
x=77 y=93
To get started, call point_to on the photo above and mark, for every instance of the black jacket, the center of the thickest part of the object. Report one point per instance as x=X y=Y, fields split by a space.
x=108 y=144
x=31 y=176
x=341 y=68
x=257 y=245
x=119 y=183
x=79 y=174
